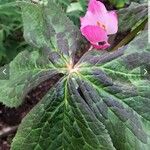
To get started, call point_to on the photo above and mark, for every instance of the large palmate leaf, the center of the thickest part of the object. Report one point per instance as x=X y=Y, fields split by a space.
x=46 y=27
x=102 y=103
x=57 y=38
x=62 y=121
x=27 y=70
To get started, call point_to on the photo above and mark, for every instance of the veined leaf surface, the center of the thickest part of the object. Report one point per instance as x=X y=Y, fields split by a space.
x=103 y=103
x=100 y=103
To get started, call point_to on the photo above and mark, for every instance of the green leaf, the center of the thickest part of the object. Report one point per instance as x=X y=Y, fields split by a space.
x=6 y=1
x=62 y=121
x=102 y=103
x=76 y=6
x=140 y=1
x=58 y=40
x=120 y=81
x=10 y=31
x=63 y=3
x=27 y=71
x=47 y=28
x=128 y=16
x=119 y=3
x=75 y=10
x=129 y=24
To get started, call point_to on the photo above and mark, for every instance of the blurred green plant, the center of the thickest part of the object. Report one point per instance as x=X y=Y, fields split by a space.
x=74 y=9
x=11 y=35
x=119 y=3
x=123 y=3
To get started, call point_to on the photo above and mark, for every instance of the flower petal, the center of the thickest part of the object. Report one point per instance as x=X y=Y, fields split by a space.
x=94 y=34
x=96 y=7
x=99 y=13
x=88 y=19
x=98 y=23
x=111 y=22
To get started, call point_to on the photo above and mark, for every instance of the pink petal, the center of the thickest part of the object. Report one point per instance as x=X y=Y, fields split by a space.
x=96 y=7
x=94 y=34
x=111 y=22
x=96 y=13
x=88 y=19
x=98 y=23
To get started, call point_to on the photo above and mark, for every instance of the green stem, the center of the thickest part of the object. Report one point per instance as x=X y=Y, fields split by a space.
x=131 y=35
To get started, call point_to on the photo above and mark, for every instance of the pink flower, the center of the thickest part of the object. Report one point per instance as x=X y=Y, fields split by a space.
x=98 y=23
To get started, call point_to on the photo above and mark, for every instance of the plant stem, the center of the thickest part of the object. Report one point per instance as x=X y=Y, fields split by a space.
x=131 y=35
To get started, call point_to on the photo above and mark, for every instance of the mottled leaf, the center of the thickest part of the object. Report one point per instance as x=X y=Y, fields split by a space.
x=62 y=120
x=27 y=71
x=130 y=16
x=118 y=88
x=47 y=28
x=100 y=104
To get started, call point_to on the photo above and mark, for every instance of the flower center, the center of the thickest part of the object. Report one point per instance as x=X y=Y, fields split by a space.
x=101 y=43
x=101 y=25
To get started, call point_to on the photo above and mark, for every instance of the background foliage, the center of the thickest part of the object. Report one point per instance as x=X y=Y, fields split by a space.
x=11 y=39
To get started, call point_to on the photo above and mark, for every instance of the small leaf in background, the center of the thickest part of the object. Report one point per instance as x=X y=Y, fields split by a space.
x=119 y=3
x=11 y=30
x=76 y=6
